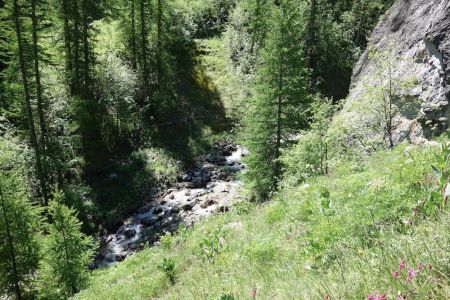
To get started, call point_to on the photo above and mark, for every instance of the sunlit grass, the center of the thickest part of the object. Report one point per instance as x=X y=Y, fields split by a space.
x=294 y=248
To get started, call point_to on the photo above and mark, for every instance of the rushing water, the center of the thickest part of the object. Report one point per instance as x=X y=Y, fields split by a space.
x=205 y=190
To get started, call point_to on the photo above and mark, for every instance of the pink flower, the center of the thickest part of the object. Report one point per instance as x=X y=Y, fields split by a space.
x=254 y=293
x=401 y=298
x=411 y=274
x=376 y=297
x=395 y=274
x=420 y=266
x=402 y=265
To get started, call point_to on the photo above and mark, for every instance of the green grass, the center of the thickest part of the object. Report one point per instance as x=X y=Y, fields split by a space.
x=298 y=247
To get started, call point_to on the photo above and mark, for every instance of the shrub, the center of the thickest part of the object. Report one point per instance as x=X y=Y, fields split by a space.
x=168 y=268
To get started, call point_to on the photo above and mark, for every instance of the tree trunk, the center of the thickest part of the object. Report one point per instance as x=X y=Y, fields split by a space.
x=144 y=46
x=68 y=47
x=86 y=75
x=28 y=107
x=37 y=75
x=159 y=42
x=133 y=35
x=256 y=25
x=279 y=112
x=76 y=46
x=312 y=44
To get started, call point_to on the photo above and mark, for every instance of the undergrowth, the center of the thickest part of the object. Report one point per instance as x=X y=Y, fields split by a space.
x=350 y=235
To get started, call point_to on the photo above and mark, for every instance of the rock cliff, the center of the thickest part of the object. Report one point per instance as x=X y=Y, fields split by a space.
x=417 y=32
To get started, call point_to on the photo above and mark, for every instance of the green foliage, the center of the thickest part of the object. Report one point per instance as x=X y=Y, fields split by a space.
x=66 y=253
x=311 y=155
x=438 y=198
x=226 y=297
x=367 y=124
x=212 y=245
x=20 y=223
x=168 y=268
x=166 y=240
x=341 y=235
x=277 y=110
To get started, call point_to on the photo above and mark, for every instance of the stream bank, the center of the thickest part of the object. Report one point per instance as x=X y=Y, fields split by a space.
x=210 y=187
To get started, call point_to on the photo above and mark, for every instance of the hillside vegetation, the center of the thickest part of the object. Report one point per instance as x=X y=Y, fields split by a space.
x=216 y=149
x=341 y=236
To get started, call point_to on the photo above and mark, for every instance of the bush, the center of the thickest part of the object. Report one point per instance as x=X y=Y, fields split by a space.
x=168 y=268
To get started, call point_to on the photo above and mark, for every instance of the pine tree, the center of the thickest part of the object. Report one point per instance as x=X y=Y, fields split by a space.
x=23 y=66
x=67 y=253
x=19 y=225
x=279 y=107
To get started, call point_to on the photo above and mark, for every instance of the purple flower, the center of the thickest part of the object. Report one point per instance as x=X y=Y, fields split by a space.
x=420 y=266
x=402 y=265
x=411 y=274
x=395 y=274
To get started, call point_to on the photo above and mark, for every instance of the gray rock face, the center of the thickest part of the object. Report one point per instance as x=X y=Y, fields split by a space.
x=417 y=32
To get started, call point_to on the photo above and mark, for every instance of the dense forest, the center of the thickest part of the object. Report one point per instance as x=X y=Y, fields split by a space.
x=106 y=107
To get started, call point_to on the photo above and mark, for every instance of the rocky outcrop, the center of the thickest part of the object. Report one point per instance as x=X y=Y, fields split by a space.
x=418 y=33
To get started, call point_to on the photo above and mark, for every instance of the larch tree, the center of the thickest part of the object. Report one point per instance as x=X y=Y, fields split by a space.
x=67 y=253
x=27 y=90
x=279 y=108
x=19 y=224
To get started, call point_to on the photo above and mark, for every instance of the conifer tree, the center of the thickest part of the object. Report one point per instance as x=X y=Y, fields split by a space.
x=67 y=253
x=278 y=109
x=19 y=225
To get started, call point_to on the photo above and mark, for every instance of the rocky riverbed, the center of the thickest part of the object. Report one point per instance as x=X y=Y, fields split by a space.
x=210 y=187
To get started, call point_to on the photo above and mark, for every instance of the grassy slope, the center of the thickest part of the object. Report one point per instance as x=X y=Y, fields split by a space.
x=291 y=248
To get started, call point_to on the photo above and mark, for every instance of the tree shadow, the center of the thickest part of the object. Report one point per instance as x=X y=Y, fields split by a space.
x=195 y=113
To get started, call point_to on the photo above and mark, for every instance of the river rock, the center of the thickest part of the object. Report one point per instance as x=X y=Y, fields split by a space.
x=129 y=232
x=158 y=210
x=207 y=203
x=216 y=159
x=148 y=220
x=188 y=207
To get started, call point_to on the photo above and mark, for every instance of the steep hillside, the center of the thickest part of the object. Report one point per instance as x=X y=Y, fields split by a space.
x=338 y=237
x=413 y=39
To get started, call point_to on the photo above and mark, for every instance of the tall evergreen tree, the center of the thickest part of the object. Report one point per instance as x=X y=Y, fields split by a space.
x=67 y=253
x=19 y=224
x=23 y=62
x=279 y=107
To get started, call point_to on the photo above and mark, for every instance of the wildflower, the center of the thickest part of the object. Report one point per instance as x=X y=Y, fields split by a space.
x=430 y=267
x=420 y=266
x=401 y=298
x=376 y=297
x=254 y=293
x=395 y=274
x=411 y=274
x=402 y=265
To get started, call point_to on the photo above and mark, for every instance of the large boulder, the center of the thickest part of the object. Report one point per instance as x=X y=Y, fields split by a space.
x=417 y=32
